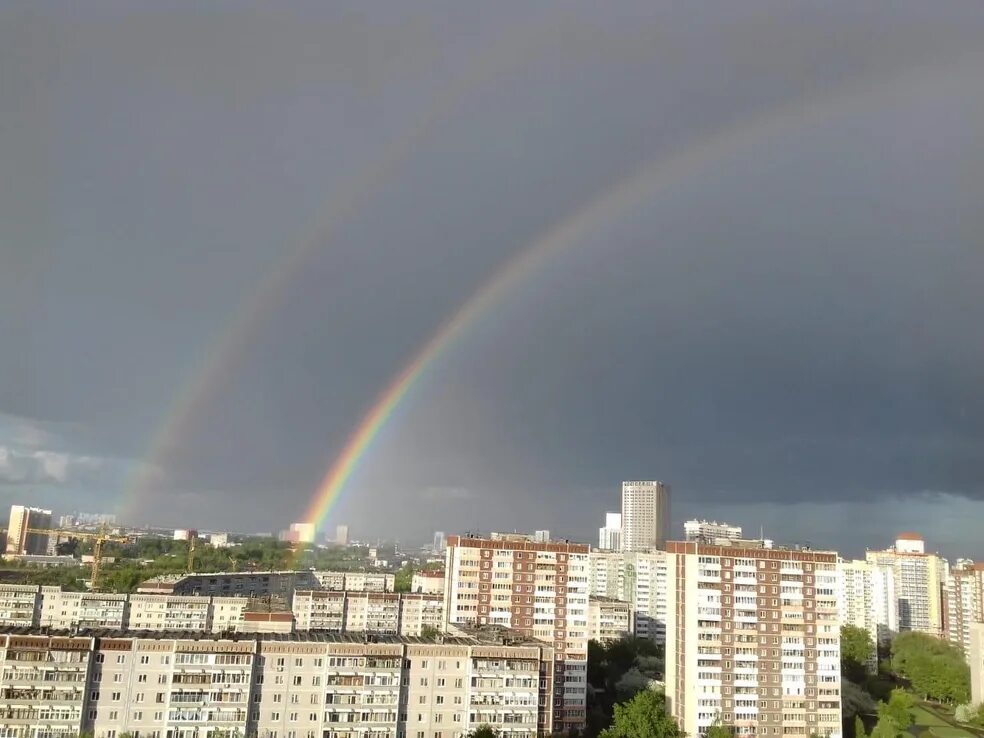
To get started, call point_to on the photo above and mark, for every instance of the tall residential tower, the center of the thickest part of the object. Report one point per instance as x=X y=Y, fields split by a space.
x=645 y=515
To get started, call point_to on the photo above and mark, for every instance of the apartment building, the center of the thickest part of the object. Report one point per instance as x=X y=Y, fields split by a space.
x=975 y=657
x=641 y=579
x=356 y=581
x=645 y=515
x=273 y=685
x=405 y=614
x=68 y=610
x=711 y=531
x=428 y=582
x=753 y=640
x=962 y=602
x=918 y=578
x=867 y=598
x=20 y=604
x=608 y=619
x=19 y=540
x=610 y=534
x=233 y=584
x=538 y=589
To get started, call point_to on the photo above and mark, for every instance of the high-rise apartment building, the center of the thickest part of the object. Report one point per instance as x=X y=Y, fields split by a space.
x=342 y=535
x=20 y=541
x=753 y=640
x=963 y=602
x=608 y=619
x=867 y=598
x=440 y=542
x=640 y=579
x=610 y=536
x=711 y=531
x=645 y=515
x=919 y=578
x=537 y=589
x=269 y=684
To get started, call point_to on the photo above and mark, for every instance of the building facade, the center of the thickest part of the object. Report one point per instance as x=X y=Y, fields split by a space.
x=610 y=535
x=642 y=580
x=538 y=589
x=19 y=539
x=404 y=614
x=711 y=531
x=753 y=640
x=962 y=602
x=272 y=686
x=428 y=582
x=867 y=599
x=645 y=515
x=356 y=581
x=918 y=578
x=609 y=619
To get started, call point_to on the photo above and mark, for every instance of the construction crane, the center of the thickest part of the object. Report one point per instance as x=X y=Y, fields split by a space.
x=98 y=540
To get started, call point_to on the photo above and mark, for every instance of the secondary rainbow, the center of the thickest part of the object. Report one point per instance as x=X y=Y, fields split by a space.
x=648 y=182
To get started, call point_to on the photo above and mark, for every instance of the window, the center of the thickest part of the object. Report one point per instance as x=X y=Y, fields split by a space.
x=121 y=658
x=297 y=681
x=141 y=678
x=145 y=659
x=298 y=662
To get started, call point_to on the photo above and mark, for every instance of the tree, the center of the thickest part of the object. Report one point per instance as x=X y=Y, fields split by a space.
x=429 y=631
x=719 y=730
x=403 y=581
x=935 y=668
x=644 y=716
x=898 y=709
x=854 y=700
x=484 y=731
x=857 y=650
x=632 y=681
x=859 y=727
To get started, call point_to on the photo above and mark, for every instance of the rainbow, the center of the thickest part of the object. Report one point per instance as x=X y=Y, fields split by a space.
x=648 y=182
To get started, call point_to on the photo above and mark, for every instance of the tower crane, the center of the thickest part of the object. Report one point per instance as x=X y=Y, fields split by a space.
x=98 y=540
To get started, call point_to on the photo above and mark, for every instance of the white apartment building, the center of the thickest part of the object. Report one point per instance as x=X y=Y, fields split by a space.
x=867 y=598
x=962 y=602
x=609 y=619
x=645 y=515
x=19 y=539
x=610 y=535
x=356 y=581
x=428 y=582
x=641 y=579
x=20 y=604
x=711 y=531
x=753 y=640
x=538 y=589
x=975 y=657
x=269 y=685
x=69 y=610
x=919 y=577
x=404 y=614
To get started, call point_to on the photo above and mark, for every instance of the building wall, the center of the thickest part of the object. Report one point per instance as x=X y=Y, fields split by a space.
x=641 y=579
x=918 y=579
x=19 y=541
x=975 y=656
x=866 y=598
x=609 y=620
x=538 y=589
x=753 y=640
x=962 y=603
x=645 y=515
x=69 y=610
x=428 y=583
x=270 y=685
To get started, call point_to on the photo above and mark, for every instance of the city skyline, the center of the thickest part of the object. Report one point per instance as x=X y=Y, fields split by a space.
x=495 y=263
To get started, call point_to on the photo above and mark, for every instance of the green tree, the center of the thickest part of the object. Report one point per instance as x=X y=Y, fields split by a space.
x=854 y=700
x=898 y=709
x=484 y=731
x=429 y=631
x=644 y=716
x=403 y=580
x=935 y=668
x=857 y=651
x=719 y=730
x=859 y=727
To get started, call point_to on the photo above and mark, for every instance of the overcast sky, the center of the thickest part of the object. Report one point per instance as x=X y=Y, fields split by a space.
x=225 y=227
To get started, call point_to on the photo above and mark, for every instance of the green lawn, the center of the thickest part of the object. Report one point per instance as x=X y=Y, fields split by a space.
x=947 y=731
x=925 y=717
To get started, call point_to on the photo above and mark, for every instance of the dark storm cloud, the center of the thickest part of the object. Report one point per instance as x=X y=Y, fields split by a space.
x=796 y=322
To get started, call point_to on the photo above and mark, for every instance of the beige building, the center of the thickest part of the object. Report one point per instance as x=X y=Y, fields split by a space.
x=403 y=614
x=975 y=655
x=962 y=602
x=609 y=619
x=753 y=640
x=918 y=580
x=269 y=684
x=645 y=515
x=19 y=539
x=233 y=584
x=69 y=610
x=866 y=599
x=428 y=582
x=641 y=579
x=538 y=589
x=20 y=604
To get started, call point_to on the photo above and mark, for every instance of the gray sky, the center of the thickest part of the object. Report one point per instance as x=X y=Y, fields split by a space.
x=238 y=222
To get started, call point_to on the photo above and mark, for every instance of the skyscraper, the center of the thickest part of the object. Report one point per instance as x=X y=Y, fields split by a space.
x=19 y=540
x=440 y=542
x=645 y=515
x=919 y=577
x=341 y=535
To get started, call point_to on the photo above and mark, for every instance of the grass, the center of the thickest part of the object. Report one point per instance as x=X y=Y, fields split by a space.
x=922 y=716
x=948 y=731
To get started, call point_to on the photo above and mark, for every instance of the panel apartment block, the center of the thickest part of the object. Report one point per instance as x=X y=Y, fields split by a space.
x=168 y=685
x=753 y=639
x=538 y=589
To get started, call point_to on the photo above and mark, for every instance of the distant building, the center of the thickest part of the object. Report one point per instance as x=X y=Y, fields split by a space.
x=427 y=582
x=641 y=580
x=963 y=593
x=867 y=600
x=356 y=581
x=19 y=538
x=218 y=540
x=645 y=515
x=710 y=531
x=440 y=542
x=919 y=578
x=975 y=657
x=610 y=536
x=66 y=521
x=233 y=584
x=298 y=533
x=342 y=535
x=541 y=536
x=608 y=619
x=184 y=534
